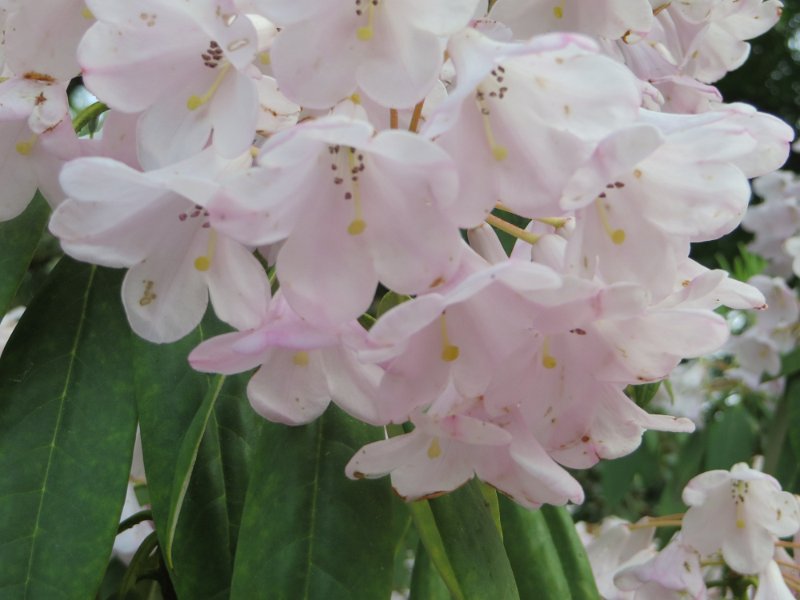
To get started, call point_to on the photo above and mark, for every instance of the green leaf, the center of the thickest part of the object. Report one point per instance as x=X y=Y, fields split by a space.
x=18 y=240
x=473 y=544
x=308 y=532
x=187 y=457
x=426 y=583
x=429 y=535
x=533 y=556
x=731 y=438
x=67 y=425
x=571 y=553
x=170 y=397
x=642 y=394
x=389 y=300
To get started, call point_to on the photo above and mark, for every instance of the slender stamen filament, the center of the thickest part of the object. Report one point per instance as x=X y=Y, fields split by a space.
x=416 y=116
x=548 y=360
x=656 y=523
x=512 y=230
x=203 y=263
x=617 y=236
x=195 y=102
x=787 y=564
x=365 y=33
x=499 y=152
x=784 y=544
x=393 y=118
x=556 y=222
x=357 y=225
x=450 y=352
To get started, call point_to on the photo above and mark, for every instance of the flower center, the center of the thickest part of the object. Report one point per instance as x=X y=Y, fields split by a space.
x=195 y=102
x=548 y=360
x=203 y=263
x=499 y=152
x=617 y=236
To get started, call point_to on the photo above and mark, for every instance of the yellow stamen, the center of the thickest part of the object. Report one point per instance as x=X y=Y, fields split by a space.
x=416 y=116
x=450 y=352
x=558 y=11
x=203 y=263
x=557 y=222
x=366 y=33
x=499 y=152
x=617 y=236
x=355 y=98
x=25 y=147
x=434 y=450
x=86 y=13
x=300 y=358
x=512 y=230
x=195 y=102
x=357 y=225
x=548 y=360
x=264 y=58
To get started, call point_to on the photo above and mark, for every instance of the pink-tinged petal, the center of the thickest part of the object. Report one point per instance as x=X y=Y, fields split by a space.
x=402 y=388
x=168 y=132
x=164 y=296
x=283 y=13
x=414 y=245
x=327 y=275
x=443 y=18
x=322 y=77
x=616 y=155
x=43 y=38
x=234 y=114
x=99 y=179
x=219 y=355
x=17 y=171
x=237 y=284
x=650 y=346
x=289 y=389
x=259 y=207
x=748 y=550
x=704 y=530
x=353 y=386
x=771 y=585
x=402 y=64
x=123 y=57
x=606 y=18
x=483 y=240
x=698 y=490
x=393 y=329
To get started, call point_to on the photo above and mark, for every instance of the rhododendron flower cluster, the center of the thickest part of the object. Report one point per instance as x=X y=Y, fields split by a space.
x=287 y=182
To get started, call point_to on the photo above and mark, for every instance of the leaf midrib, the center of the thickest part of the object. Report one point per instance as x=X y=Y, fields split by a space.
x=56 y=429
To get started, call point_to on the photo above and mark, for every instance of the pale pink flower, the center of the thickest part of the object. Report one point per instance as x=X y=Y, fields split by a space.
x=740 y=513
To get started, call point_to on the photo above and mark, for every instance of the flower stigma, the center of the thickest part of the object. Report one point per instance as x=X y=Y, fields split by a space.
x=450 y=352
x=203 y=263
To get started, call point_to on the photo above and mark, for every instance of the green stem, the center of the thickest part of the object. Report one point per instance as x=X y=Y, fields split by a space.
x=87 y=115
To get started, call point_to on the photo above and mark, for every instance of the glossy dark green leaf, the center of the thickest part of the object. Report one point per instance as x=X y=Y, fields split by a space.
x=67 y=424
x=429 y=535
x=473 y=545
x=533 y=556
x=426 y=583
x=187 y=458
x=571 y=553
x=170 y=395
x=308 y=532
x=731 y=438
x=18 y=240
